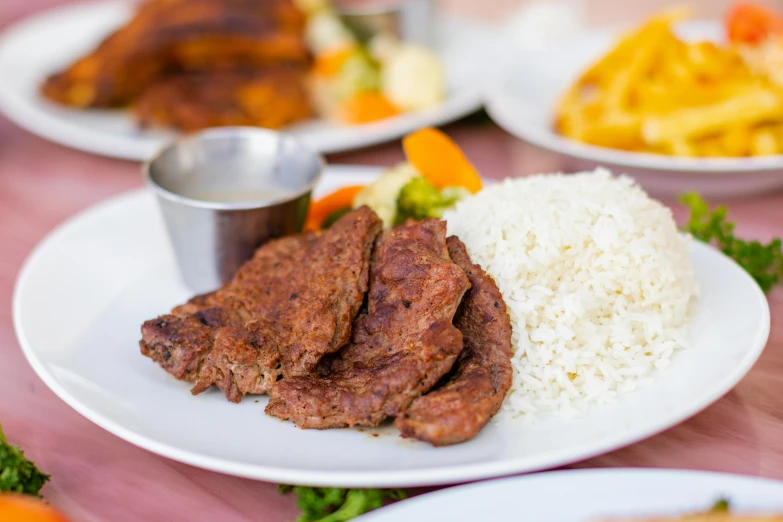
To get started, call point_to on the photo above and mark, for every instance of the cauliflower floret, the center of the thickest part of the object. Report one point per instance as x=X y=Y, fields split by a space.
x=358 y=74
x=382 y=46
x=310 y=7
x=382 y=194
x=325 y=31
x=413 y=77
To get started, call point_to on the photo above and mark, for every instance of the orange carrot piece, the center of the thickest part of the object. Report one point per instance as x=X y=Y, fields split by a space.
x=366 y=107
x=24 y=508
x=752 y=23
x=329 y=62
x=440 y=160
x=319 y=210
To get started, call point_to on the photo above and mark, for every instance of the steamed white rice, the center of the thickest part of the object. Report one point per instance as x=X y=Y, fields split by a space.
x=597 y=280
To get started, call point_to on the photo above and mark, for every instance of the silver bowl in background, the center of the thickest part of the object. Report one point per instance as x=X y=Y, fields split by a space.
x=223 y=192
x=409 y=20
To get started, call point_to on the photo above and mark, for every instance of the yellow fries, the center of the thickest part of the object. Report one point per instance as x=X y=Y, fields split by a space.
x=655 y=93
x=752 y=108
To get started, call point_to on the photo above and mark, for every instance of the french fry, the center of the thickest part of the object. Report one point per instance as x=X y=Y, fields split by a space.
x=648 y=47
x=747 y=109
x=735 y=141
x=764 y=142
x=682 y=148
x=709 y=147
x=616 y=130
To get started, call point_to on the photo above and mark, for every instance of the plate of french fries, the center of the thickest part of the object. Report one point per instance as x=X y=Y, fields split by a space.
x=681 y=104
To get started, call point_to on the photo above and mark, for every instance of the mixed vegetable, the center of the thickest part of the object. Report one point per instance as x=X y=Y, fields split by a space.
x=358 y=80
x=435 y=177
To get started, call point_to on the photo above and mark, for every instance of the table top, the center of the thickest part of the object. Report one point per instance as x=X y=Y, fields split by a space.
x=97 y=476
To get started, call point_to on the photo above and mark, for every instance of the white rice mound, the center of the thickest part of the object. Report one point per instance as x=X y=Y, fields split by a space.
x=597 y=280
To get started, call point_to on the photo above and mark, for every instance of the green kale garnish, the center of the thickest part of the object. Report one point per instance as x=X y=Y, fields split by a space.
x=17 y=474
x=337 y=504
x=763 y=262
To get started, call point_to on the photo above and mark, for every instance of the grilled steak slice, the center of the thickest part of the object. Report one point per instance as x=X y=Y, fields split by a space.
x=458 y=410
x=284 y=310
x=400 y=348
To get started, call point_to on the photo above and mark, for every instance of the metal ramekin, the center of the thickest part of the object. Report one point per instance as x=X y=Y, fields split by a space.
x=212 y=239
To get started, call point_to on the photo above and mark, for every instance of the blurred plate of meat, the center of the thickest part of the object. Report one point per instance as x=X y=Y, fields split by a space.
x=28 y=57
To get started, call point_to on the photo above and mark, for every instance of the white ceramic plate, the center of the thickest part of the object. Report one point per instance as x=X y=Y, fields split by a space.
x=85 y=291
x=587 y=496
x=523 y=103
x=45 y=43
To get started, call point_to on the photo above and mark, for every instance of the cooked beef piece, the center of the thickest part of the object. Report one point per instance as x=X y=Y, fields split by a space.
x=284 y=310
x=473 y=393
x=166 y=36
x=400 y=348
x=271 y=97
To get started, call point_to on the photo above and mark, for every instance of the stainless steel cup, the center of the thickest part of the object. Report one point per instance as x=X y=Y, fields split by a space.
x=225 y=191
x=409 y=20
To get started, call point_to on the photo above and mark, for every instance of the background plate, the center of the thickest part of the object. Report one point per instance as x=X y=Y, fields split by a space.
x=588 y=494
x=86 y=289
x=523 y=104
x=28 y=56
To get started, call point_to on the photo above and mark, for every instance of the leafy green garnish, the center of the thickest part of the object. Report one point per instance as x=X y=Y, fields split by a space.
x=420 y=199
x=720 y=506
x=337 y=504
x=763 y=262
x=17 y=474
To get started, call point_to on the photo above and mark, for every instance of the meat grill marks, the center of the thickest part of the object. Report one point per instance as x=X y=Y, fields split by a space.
x=284 y=310
x=458 y=410
x=400 y=348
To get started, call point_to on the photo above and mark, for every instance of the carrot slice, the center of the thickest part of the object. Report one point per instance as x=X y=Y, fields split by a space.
x=366 y=107
x=752 y=23
x=440 y=160
x=24 y=508
x=329 y=62
x=321 y=209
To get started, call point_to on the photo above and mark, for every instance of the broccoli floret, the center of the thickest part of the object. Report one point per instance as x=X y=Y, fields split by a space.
x=17 y=474
x=420 y=199
x=337 y=504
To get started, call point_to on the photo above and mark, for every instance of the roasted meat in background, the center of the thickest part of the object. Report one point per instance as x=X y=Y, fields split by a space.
x=459 y=409
x=270 y=98
x=175 y=37
x=400 y=347
x=285 y=309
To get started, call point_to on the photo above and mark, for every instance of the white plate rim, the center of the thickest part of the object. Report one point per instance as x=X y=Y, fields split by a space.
x=408 y=507
x=403 y=478
x=498 y=100
x=53 y=128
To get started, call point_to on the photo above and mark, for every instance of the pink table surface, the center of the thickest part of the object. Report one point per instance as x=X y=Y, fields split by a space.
x=97 y=476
